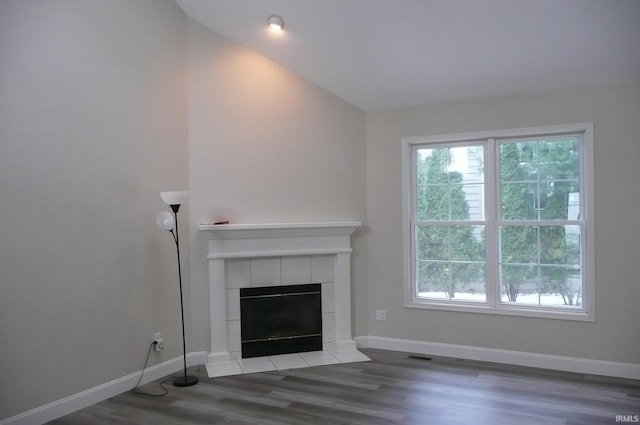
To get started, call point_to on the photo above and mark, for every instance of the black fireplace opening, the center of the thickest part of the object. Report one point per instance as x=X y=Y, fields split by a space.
x=280 y=319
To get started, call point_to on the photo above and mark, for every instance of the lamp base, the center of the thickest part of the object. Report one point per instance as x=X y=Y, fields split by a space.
x=185 y=381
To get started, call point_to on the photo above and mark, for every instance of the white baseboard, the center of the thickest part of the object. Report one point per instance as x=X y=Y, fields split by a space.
x=520 y=358
x=78 y=401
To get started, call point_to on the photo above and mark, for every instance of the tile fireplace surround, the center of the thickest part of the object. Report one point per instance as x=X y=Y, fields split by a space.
x=253 y=255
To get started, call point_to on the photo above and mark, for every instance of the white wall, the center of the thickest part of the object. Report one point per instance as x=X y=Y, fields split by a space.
x=266 y=146
x=614 y=112
x=93 y=125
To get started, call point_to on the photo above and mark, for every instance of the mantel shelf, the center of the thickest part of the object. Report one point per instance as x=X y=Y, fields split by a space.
x=279 y=230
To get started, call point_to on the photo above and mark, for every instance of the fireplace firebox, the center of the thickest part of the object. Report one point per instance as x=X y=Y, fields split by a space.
x=280 y=319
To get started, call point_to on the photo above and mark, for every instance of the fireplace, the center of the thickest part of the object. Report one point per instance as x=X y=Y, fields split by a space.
x=280 y=320
x=248 y=256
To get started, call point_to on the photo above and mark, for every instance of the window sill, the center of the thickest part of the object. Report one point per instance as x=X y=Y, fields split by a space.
x=505 y=310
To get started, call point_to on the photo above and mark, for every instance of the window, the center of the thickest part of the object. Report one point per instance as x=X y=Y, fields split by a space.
x=501 y=222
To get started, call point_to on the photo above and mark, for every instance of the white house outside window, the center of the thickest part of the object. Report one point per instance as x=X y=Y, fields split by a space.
x=501 y=222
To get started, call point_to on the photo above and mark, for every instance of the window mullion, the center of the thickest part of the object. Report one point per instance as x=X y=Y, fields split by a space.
x=492 y=284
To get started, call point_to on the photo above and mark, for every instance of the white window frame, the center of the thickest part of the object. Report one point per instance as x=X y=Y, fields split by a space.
x=493 y=305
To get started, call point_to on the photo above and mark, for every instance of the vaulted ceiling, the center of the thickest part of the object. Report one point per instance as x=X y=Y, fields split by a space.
x=383 y=54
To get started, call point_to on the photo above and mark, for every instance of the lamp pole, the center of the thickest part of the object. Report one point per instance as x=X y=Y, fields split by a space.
x=182 y=381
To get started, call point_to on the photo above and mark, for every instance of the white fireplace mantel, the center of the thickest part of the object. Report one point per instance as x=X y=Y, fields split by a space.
x=228 y=242
x=279 y=239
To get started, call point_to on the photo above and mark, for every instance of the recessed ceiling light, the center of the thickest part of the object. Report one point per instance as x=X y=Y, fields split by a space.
x=276 y=22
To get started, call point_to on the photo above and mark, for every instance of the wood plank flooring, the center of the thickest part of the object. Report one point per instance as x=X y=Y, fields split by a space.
x=394 y=388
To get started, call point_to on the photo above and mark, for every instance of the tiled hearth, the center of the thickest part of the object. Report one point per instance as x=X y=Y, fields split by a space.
x=242 y=256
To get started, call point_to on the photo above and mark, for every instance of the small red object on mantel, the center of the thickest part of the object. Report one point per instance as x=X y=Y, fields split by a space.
x=222 y=222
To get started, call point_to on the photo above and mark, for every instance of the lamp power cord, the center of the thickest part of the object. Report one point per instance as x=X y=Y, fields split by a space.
x=164 y=390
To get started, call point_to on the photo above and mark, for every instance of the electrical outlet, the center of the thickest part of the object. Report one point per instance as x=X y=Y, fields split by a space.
x=381 y=315
x=159 y=342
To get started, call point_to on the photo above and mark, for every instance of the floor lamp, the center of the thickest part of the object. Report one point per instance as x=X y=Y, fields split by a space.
x=168 y=222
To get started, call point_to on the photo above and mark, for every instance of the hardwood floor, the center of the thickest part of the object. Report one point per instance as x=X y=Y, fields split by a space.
x=394 y=388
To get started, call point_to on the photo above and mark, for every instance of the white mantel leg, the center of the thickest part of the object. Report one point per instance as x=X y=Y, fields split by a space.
x=344 y=342
x=218 y=311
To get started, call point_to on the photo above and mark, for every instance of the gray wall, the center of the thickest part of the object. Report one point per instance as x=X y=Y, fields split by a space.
x=614 y=112
x=93 y=125
x=266 y=146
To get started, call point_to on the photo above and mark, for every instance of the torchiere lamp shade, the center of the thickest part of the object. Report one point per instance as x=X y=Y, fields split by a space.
x=178 y=197
x=165 y=220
